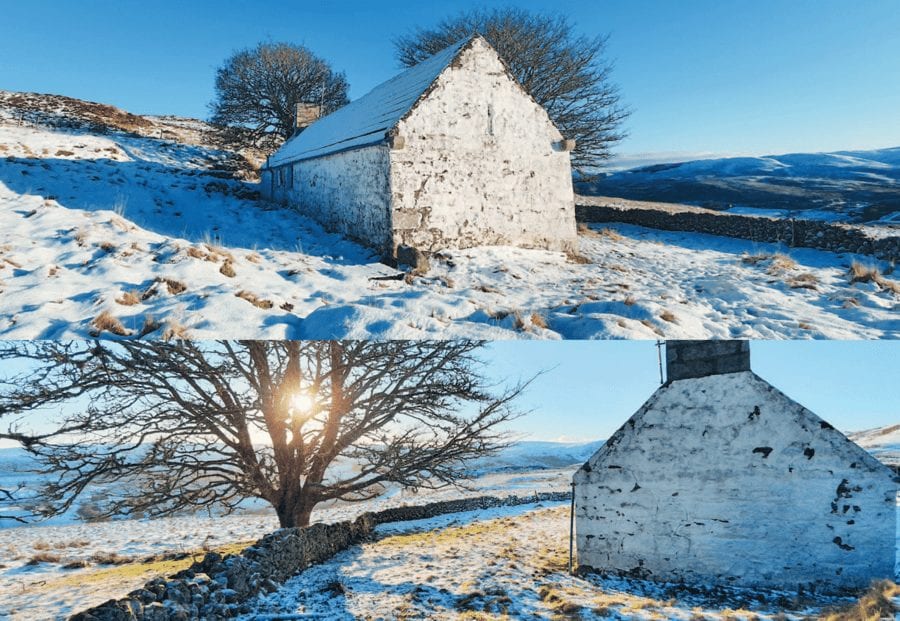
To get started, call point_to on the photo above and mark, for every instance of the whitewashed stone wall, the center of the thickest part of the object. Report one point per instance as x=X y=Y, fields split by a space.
x=347 y=192
x=725 y=478
x=481 y=164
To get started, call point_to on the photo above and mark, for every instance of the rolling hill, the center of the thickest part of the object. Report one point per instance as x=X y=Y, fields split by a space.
x=847 y=186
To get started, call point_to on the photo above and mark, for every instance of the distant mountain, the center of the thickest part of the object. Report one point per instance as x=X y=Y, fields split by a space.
x=848 y=186
x=882 y=442
x=530 y=455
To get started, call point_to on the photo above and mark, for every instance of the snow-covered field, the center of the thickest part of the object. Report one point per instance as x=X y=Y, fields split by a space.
x=474 y=563
x=501 y=563
x=128 y=235
x=47 y=589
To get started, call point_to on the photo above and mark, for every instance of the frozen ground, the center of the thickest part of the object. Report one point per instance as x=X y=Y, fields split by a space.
x=121 y=234
x=498 y=564
x=47 y=590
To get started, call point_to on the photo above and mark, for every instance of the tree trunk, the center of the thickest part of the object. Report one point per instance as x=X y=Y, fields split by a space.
x=296 y=516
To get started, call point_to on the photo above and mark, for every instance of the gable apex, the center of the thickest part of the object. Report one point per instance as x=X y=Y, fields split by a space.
x=366 y=121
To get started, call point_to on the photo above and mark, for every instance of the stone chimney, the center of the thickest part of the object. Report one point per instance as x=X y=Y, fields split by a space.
x=686 y=359
x=306 y=114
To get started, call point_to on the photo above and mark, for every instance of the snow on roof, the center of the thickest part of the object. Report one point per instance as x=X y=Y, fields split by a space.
x=364 y=121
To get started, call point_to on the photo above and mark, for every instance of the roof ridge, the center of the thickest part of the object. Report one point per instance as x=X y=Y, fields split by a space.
x=365 y=121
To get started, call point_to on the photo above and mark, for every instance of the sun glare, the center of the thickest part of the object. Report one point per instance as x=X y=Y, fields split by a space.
x=301 y=403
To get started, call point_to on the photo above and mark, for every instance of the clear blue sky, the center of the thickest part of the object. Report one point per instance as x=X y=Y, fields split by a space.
x=702 y=76
x=590 y=388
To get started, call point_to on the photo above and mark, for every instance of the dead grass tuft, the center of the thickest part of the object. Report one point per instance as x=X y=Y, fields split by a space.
x=806 y=280
x=174 y=286
x=110 y=558
x=649 y=324
x=873 y=605
x=150 y=325
x=667 y=315
x=538 y=321
x=129 y=298
x=573 y=256
x=871 y=273
x=106 y=322
x=174 y=331
x=227 y=269
x=254 y=299
x=780 y=263
x=43 y=557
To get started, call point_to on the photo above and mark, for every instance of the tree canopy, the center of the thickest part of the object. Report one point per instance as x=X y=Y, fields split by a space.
x=258 y=89
x=172 y=427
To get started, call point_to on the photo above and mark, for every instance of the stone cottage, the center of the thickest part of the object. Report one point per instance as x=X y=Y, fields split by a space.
x=450 y=153
x=720 y=477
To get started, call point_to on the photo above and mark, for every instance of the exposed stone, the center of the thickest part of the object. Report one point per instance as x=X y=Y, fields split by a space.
x=686 y=359
x=414 y=258
x=831 y=236
x=218 y=587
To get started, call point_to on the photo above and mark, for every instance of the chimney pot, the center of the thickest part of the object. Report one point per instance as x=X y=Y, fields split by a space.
x=688 y=359
x=305 y=114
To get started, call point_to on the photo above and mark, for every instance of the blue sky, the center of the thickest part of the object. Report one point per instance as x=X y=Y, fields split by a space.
x=701 y=76
x=590 y=388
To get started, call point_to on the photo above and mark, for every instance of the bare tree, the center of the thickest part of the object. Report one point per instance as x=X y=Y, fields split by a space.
x=566 y=74
x=258 y=89
x=172 y=427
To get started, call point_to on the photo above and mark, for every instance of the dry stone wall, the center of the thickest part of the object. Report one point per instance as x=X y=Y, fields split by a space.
x=795 y=233
x=218 y=588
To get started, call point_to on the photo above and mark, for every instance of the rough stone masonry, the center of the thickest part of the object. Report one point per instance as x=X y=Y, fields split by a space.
x=721 y=478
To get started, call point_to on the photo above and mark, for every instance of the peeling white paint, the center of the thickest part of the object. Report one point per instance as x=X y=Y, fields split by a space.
x=481 y=164
x=724 y=478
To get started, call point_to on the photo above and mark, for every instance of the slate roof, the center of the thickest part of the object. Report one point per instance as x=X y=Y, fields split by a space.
x=364 y=121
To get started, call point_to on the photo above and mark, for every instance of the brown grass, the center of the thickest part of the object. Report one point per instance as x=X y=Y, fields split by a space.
x=871 y=273
x=873 y=605
x=174 y=331
x=780 y=263
x=587 y=231
x=44 y=557
x=106 y=322
x=649 y=324
x=129 y=298
x=64 y=153
x=174 y=286
x=254 y=299
x=110 y=558
x=573 y=256
x=538 y=321
x=150 y=325
x=227 y=269
x=667 y=315
x=806 y=280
